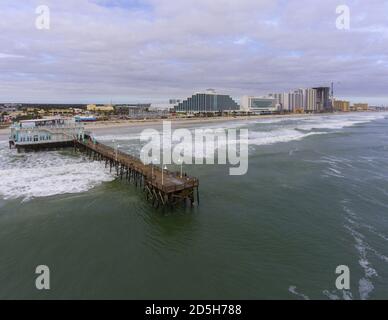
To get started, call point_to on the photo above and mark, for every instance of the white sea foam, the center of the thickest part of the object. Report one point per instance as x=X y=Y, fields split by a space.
x=362 y=246
x=302 y=128
x=365 y=287
x=292 y=289
x=346 y=295
x=256 y=138
x=330 y=295
x=260 y=138
x=39 y=175
x=283 y=129
x=331 y=125
x=328 y=125
x=365 y=283
x=333 y=173
x=250 y=122
x=46 y=174
x=337 y=122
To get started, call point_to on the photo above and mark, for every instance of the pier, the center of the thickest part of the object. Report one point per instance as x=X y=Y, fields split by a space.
x=161 y=187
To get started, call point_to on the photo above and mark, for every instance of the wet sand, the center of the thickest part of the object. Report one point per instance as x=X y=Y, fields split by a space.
x=135 y=123
x=180 y=121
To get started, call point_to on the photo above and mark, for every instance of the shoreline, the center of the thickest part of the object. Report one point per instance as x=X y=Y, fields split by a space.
x=179 y=121
x=139 y=123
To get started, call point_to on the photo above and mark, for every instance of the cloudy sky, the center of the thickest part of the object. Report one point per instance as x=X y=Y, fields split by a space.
x=152 y=50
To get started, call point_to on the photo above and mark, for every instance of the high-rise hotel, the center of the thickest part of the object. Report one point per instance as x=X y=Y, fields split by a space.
x=207 y=102
x=304 y=100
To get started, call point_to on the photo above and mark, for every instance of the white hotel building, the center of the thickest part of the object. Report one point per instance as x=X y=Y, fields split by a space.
x=259 y=105
x=300 y=99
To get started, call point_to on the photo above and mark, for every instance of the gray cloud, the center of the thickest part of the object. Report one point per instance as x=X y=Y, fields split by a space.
x=152 y=50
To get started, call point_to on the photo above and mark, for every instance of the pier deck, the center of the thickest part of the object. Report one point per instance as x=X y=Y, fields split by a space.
x=170 y=189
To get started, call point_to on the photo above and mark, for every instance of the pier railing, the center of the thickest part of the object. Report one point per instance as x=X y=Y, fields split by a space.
x=166 y=181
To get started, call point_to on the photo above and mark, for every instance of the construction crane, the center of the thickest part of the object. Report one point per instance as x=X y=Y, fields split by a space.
x=332 y=93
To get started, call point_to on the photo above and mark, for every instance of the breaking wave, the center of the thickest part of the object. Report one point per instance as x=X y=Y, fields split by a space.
x=292 y=289
x=32 y=175
x=51 y=173
x=365 y=284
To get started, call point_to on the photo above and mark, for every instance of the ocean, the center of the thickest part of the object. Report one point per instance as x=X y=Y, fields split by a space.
x=315 y=197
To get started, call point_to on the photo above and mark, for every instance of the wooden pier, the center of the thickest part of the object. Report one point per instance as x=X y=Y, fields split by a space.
x=161 y=188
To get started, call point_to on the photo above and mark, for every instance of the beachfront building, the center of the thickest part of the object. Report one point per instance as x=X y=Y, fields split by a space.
x=174 y=102
x=361 y=106
x=310 y=100
x=286 y=100
x=324 y=103
x=341 y=105
x=259 y=105
x=207 y=102
x=295 y=101
x=100 y=108
x=279 y=97
x=132 y=110
x=54 y=131
x=63 y=112
x=289 y=101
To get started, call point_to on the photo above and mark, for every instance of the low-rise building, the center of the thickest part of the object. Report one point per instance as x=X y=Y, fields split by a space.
x=6 y=108
x=132 y=109
x=341 y=105
x=65 y=112
x=49 y=131
x=16 y=114
x=259 y=105
x=100 y=108
x=361 y=106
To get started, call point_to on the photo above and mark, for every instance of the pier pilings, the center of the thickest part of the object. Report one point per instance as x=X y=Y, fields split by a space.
x=162 y=188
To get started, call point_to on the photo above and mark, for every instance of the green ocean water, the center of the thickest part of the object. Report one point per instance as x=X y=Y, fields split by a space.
x=315 y=197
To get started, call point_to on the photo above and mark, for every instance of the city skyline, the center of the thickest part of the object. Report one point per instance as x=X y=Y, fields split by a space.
x=98 y=51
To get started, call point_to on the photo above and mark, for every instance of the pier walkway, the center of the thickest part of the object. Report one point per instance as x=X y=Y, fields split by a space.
x=162 y=187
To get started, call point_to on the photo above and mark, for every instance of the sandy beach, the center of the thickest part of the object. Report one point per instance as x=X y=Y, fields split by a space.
x=179 y=121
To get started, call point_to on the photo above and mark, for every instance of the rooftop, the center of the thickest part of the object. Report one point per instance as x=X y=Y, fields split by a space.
x=43 y=119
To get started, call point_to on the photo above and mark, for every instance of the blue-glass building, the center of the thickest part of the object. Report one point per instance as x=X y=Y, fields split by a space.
x=207 y=102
